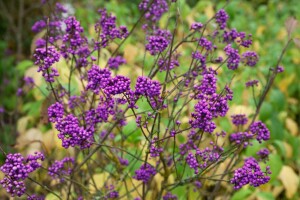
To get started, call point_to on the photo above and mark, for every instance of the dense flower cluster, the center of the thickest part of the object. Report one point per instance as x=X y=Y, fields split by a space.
x=233 y=57
x=158 y=42
x=72 y=134
x=108 y=30
x=239 y=119
x=260 y=130
x=147 y=87
x=250 y=58
x=115 y=62
x=117 y=85
x=154 y=9
x=251 y=174
x=263 y=154
x=98 y=78
x=16 y=169
x=251 y=83
x=170 y=196
x=145 y=173
x=55 y=112
x=59 y=169
x=221 y=18
x=45 y=58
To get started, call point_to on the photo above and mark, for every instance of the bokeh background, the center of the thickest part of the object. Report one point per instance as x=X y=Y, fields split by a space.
x=21 y=124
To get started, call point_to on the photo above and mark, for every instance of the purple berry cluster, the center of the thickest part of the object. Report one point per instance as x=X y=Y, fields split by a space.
x=108 y=30
x=61 y=168
x=250 y=58
x=55 y=112
x=260 y=130
x=251 y=174
x=154 y=9
x=239 y=119
x=170 y=196
x=221 y=18
x=115 y=62
x=147 y=87
x=45 y=58
x=158 y=41
x=16 y=169
x=72 y=134
x=145 y=173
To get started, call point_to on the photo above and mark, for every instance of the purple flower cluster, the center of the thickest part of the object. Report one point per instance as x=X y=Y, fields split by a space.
x=260 y=130
x=239 y=119
x=154 y=149
x=145 y=173
x=206 y=44
x=196 y=26
x=241 y=138
x=147 y=87
x=250 y=58
x=191 y=160
x=115 y=62
x=72 y=134
x=252 y=83
x=263 y=154
x=158 y=42
x=107 y=29
x=221 y=18
x=154 y=9
x=170 y=196
x=165 y=65
x=251 y=174
x=233 y=59
x=117 y=85
x=74 y=43
x=45 y=58
x=55 y=112
x=98 y=78
x=16 y=169
x=38 y=26
x=61 y=168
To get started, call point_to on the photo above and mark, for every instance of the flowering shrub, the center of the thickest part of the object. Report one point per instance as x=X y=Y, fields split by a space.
x=93 y=119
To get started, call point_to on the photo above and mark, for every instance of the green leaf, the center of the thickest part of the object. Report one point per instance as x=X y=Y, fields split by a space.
x=241 y=194
x=266 y=111
x=279 y=146
x=266 y=196
x=22 y=66
x=275 y=164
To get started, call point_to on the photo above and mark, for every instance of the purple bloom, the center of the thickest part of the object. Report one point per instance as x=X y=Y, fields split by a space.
x=38 y=26
x=196 y=26
x=260 y=130
x=147 y=87
x=155 y=10
x=239 y=119
x=107 y=29
x=251 y=83
x=117 y=85
x=241 y=138
x=233 y=57
x=170 y=196
x=221 y=18
x=250 y=58
x=98 y=78
x=192 y=162
x=115 y=62
x=158 y=42
x=16 y=169
x=55 y=112
x=62 y=168
x=263 y=154
x=72 y=134
x=251 y=174
x=206 y=44
x=145 y=173
x=45 y=58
